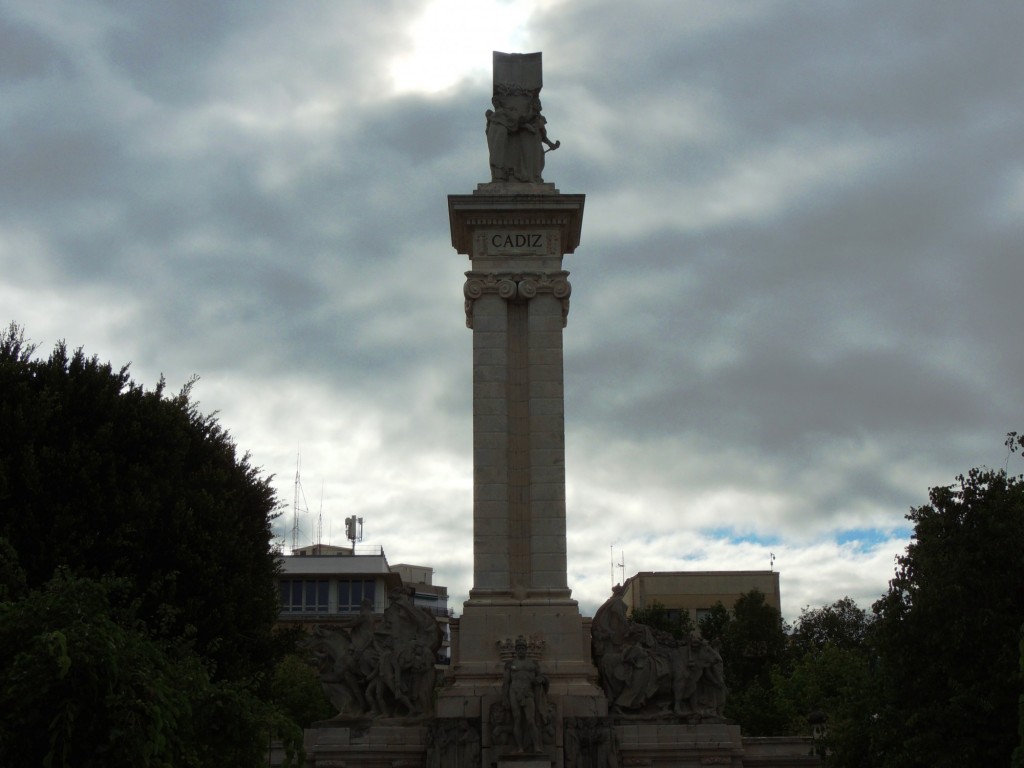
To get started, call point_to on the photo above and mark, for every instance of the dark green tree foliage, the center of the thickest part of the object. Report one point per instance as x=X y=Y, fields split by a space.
x=1018 y=753
x=86 y=684
x=948 y=629
x=754 y=642
x=657 y=616
x=297 y=692
x=713 y=623
x=1014 y=443
x=106 y=478
x=832 y=674
x=842 y=625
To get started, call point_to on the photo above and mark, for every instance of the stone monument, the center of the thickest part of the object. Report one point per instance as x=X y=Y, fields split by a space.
x=523 y=689
x=520 y=623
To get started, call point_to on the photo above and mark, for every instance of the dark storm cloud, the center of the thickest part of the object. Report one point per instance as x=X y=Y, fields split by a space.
x=27 y=54
x=165 y=49
x=841 y=331
x=795 y=304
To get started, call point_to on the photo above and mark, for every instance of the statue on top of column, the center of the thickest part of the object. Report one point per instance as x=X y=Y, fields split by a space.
x=517 y=137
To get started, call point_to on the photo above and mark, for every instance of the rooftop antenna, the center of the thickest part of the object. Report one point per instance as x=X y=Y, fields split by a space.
x=621 y=565
x=320 y=522
x=296 y=508
x=354 y=530
x=771 y=562
x=295 y=504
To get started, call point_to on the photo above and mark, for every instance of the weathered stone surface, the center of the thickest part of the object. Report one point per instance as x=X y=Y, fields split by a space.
x=380 y=666
x=503 y=706
x=646 y=672
x=517 y=137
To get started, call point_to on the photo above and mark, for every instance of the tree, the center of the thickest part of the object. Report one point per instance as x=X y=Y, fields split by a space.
x=713 y=623
x=137 y=595
x=832 y=674
x=103 y=477
x=753 y=643
x=86 y=684
x=1018 y=753
x=948 y=629
x=297 y=692
x=843 y=624
x=656 y=616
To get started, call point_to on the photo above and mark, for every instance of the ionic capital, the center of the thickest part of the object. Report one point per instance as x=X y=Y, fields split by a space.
x=518 y=287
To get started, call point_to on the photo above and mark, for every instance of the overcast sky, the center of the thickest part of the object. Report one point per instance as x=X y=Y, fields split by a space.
x=796 y=304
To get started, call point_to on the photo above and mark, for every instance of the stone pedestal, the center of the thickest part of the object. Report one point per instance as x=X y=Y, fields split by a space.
x=524 y=761
x=398 y=744
x=673 y=745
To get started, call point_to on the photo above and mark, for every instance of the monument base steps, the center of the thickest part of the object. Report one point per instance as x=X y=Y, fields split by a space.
x=652 y=745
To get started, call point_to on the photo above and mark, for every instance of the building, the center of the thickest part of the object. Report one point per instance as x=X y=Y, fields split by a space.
x=321 y=582
x=324 y=584
x=429 y=596
x=695 y=592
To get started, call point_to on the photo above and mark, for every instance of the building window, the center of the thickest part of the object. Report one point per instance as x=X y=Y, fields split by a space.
x=304 y=595
x=352 y=593
x=429 y=602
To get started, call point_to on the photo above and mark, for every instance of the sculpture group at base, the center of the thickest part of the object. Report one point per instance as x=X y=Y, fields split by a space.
x=644 y=671
x=380 y=666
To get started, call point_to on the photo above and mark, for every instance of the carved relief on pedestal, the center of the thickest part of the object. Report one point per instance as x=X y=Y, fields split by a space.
x=589 y=742
x=453 y=741
x=516 y=287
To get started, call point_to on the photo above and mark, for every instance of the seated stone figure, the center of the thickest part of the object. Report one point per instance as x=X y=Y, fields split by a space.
x=646 y=672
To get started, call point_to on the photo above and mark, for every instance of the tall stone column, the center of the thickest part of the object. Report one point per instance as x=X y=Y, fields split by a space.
x=520 y=630
x=517 y=302
x=517 y=305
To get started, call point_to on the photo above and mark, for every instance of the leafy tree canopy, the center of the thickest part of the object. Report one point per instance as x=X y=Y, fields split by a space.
x=104 y=478
x=136 y=575
x=753 y=644
x=656 y=616
x=843 y=624
x=86 y=684
x=948 y=628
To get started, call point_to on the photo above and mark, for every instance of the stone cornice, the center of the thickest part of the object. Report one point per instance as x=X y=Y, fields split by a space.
x=556 y=212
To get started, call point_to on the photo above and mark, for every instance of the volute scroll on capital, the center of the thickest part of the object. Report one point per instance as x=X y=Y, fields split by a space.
x=516 y=287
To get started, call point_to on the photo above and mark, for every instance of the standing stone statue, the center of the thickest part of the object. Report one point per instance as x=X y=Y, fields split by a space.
x=523 y=692
x=516 y=130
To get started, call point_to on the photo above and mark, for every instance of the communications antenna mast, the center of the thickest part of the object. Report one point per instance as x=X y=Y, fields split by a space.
x=296 y=507
x=621 y=565
x=354 y=530
x=320 y=523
